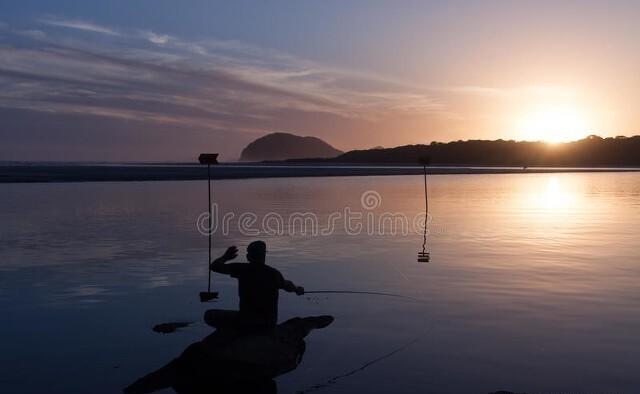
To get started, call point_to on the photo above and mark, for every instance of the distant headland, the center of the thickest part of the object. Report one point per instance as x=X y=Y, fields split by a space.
x=593 y=151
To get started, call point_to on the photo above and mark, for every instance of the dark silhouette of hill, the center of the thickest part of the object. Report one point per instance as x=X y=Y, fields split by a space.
x=283 y=146
x=590 y=151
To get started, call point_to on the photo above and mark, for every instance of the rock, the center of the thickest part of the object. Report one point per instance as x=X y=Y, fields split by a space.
x=168 y=328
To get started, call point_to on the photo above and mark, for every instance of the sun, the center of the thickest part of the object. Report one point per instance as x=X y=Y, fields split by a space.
x=553 y=124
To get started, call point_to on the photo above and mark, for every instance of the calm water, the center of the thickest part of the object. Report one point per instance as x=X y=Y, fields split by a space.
x=533 y=284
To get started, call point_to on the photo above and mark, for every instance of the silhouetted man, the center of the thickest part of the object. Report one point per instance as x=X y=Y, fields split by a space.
x=258 y=286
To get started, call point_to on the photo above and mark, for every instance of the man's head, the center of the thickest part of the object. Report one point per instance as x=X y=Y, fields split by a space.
x=256 y=252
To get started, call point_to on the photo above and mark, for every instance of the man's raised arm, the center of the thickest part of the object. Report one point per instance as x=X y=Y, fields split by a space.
x=218 y=265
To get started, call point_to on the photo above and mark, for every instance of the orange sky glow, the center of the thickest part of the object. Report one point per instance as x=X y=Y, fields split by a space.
x=86 y=84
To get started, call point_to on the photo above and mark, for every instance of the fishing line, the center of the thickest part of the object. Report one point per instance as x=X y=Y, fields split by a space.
x=362 y=292
x=335 y=379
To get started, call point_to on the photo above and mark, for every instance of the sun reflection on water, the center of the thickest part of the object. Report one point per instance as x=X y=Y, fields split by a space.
x=555 y=196
x=553 y=199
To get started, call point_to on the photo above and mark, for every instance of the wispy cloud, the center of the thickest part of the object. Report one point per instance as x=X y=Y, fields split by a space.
x=32 y=33
x=159 y=39
x=212 y=85
x=511 y=92
x=212 y=73
x=78 y=25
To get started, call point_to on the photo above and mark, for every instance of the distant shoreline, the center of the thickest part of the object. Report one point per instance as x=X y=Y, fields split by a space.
x=77 y=172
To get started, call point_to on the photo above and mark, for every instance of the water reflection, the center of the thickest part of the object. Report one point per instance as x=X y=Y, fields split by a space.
x=228 y=362
x=555 y=196
x=536 y=286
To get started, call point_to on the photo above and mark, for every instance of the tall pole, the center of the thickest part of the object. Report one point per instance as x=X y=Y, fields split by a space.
x=426 y=199
x=209 y=159
x=426 y=211
x=210 y=228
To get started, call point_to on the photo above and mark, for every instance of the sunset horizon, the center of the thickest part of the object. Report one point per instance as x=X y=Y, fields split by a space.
x=146 y=84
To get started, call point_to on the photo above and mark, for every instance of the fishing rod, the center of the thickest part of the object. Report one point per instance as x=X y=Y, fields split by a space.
x=378 y=293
